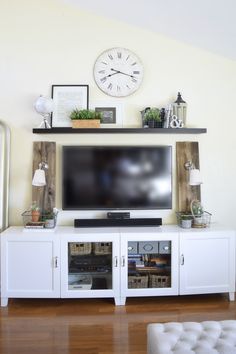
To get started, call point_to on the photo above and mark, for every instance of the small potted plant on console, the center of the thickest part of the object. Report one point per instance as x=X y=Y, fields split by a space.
x=35 y=212
x=49 y=218
x=85 y=118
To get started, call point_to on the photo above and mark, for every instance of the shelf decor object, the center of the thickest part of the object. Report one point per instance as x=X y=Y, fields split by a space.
x=44 y=106
x=179 y=109
x=85 y=118
x=111 y=111
x=67 y=98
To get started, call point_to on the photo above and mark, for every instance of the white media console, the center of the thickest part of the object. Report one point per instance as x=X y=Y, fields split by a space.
x=117 y=262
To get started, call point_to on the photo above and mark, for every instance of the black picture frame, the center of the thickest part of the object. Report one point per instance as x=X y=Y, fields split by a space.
x=66 y=98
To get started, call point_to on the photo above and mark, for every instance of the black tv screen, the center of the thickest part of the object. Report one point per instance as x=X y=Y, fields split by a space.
x=116 y=177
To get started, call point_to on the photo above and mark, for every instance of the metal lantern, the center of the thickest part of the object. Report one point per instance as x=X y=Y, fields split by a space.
x=179 y=109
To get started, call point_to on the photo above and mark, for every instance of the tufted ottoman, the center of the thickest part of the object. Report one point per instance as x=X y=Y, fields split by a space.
x=209 y=337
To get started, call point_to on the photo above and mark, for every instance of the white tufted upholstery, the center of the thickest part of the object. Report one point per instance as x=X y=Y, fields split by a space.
x=209 y=337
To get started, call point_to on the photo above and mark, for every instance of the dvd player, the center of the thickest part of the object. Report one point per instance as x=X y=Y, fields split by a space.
x=117 y=222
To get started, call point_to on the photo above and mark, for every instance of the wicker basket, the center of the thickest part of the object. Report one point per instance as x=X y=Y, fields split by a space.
x=80 y=248
x=102 y=248
x=135 y=282
x=159 y=281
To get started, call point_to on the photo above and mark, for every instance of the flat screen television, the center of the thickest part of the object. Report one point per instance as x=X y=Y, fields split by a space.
x=116 y=177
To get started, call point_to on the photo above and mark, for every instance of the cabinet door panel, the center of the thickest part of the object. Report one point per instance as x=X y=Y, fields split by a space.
x=207 y=263
x=27 y=271
x=149 y=271
x=90 y=265
x=30 y=268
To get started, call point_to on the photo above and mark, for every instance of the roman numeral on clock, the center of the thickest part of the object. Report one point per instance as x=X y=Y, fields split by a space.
x=134 y=79
x=110 y=56
x=136 y=72
x=101 y=72
x=119 y=55
x=109 y=86
x=103 y=79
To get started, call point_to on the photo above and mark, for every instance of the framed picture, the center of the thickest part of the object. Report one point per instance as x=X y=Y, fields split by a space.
x=112 y=113
x=66 y=98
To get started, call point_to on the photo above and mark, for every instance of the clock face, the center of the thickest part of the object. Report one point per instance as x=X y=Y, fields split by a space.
x=118 y=72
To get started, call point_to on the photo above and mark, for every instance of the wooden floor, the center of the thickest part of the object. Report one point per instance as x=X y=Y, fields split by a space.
x=96 y=326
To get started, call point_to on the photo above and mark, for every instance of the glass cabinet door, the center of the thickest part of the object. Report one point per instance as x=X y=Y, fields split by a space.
x=89 y=266
x=149 y=264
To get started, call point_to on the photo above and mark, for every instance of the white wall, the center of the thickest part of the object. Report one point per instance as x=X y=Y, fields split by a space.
x=49 y=42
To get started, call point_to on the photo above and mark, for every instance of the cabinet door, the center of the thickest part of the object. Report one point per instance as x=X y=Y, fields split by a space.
x=30 y=266
x=149 y=263
x=207 y=262
x=90 y=265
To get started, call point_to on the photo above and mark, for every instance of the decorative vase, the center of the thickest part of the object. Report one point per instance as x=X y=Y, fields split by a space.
x=35 y=215
x=85 y=123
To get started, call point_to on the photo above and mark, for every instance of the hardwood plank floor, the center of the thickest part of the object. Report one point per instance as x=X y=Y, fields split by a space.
x=96 y=326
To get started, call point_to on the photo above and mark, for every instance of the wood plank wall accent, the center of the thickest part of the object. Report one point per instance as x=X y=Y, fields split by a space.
x=186 y=151
x=45 y=196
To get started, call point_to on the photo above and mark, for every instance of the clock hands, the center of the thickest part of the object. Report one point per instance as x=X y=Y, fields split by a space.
x=103 y=79
x=112 y=74
x=118 y=72
x=121 y=72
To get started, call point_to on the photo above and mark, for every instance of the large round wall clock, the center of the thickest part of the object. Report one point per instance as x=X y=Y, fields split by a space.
x=118 y=72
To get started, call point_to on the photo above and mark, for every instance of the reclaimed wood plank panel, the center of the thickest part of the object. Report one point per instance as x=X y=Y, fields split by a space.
x=45 y=196
x=186 y=151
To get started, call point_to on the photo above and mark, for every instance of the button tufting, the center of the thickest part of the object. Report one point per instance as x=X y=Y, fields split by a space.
x=209 y=337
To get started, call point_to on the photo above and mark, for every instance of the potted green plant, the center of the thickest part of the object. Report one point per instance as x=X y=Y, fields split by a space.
x=186 y=221
x=197 y=211
x=35 y=212
x=152 y=118
x=85 y=118
x=49 y=219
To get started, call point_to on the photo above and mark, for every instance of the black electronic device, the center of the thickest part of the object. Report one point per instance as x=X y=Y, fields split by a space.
x=118 y=215
x=117 y=222
x=116 y=177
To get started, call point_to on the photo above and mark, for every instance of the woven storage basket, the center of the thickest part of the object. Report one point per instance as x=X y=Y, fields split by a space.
x=135 y=282
x=80 y=248
x=159 y=281
x=102 y=248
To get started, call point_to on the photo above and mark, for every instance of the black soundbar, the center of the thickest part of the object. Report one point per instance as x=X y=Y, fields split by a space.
x=117 y=222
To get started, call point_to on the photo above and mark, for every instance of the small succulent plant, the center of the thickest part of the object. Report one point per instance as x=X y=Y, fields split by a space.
x=152 y=114
x=34 y=207
x=85 y=114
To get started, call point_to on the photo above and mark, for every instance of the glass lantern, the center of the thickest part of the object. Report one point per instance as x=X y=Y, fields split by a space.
x=179 y=109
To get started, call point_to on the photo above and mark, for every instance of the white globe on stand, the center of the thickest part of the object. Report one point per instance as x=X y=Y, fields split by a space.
x=44 y=106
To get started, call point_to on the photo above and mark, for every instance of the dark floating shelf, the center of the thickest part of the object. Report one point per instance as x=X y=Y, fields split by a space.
x=120 y=131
